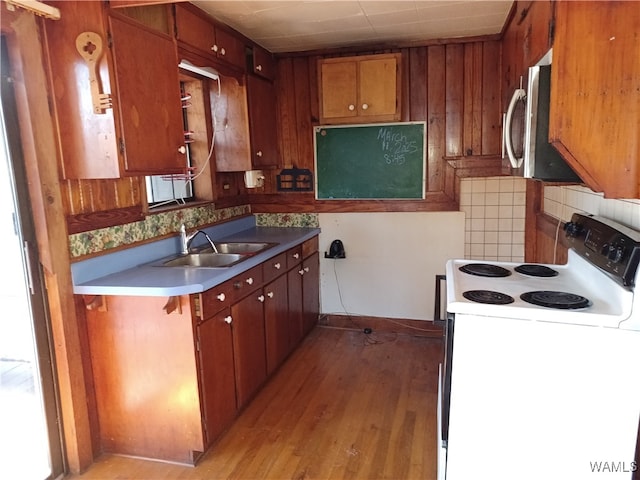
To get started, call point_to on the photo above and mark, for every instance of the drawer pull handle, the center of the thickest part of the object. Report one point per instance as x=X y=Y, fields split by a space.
x=306 y=269
x=221 y=297
x=249 y=281
x=277 y=266
x=270 y=294
x=301 y=271
x=261 y=298
x=228 y=319
x=259 y=68
x=296 y=256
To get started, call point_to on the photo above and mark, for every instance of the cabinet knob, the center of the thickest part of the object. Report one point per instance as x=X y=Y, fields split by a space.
x=277 y=266
x=228 y=319
x=352 y=108
x=270 y=294
x=365 y=106
x=259 y=68
x=301 y=271
x=259 y=153
x=306 y=269
x=296 y=256
x=182 y=149
x=249 y=281
x=261 y=298
x=221 y=297
x=223 y=51
x=214 y=48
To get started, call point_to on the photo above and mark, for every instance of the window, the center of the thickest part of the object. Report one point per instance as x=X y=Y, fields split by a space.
x=196 y=183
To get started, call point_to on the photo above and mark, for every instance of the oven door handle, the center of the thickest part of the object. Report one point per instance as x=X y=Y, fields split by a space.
x=438 y=318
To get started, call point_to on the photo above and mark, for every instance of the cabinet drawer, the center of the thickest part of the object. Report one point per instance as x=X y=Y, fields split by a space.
x=274 y=267
x=294 y=256
x=246 y=282
x=309 y=247
x=207 y=304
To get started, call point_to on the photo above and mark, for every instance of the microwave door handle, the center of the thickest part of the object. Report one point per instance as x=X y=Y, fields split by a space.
x=518 y=95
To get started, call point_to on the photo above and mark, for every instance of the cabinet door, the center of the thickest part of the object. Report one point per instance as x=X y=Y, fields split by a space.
x=276 y=322
x=262 y=117
x=595 y=106
x=311 y=292
x=232 y=137
x=88 y=139
x=296 y=312
x=249 y=346
x=217 y=375
x=148 y=99
x=230 y=48
x=360 y=89
x=378 y=87
x=194 y=30
x=262 y=63
x=338 y=89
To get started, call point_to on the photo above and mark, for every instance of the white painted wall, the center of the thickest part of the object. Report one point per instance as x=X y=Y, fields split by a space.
x=392 y=260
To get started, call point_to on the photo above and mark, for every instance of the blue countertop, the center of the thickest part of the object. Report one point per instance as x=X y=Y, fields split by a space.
x=135 y=271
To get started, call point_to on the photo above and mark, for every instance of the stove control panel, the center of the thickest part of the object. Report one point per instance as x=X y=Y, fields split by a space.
x=607 y=244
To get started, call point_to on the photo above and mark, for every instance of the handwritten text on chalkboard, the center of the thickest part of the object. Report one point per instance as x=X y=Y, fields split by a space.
x=395 y=145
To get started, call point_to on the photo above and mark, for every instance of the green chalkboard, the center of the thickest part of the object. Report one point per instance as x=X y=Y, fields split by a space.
x=381 y=161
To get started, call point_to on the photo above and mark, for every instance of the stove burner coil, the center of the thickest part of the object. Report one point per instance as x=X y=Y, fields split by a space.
x=485 y=270
x=559 y=300
x=488 y=296
x=536 y=270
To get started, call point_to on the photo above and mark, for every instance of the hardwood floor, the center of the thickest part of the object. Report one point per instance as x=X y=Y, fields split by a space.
x=346 y=405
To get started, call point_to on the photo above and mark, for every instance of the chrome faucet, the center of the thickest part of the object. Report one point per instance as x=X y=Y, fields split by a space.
x=185 y=240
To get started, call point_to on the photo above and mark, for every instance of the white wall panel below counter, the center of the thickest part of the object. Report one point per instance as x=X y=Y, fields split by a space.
x=391 y=261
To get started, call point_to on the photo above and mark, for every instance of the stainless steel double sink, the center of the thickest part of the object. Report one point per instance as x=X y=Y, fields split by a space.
x=227 y=255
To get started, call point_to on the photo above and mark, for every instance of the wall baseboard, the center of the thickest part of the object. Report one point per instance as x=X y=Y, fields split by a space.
x=420 y=328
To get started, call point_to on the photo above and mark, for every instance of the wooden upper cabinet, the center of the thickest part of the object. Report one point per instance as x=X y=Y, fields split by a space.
x=261 y=62
x=595 y=95
x=360 y=89
x=232 y=146
x=195 y=30
x=262 y=118
x=140 y=130
x=148 y=99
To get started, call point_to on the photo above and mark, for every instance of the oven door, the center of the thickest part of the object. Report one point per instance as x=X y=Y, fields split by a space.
x=444 y=378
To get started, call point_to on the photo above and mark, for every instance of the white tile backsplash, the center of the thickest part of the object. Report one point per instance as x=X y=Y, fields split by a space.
x=495 y=211
x=562 y=201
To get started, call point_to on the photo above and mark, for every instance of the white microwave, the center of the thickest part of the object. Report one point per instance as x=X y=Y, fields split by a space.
x=539 y=159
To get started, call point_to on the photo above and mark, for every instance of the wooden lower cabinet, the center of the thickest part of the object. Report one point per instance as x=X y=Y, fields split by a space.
x=276 y=322
x=214 y=343
x=294 y=279
x=310 y=292
x=146 y=379
x=249 y=351
x=169 y=384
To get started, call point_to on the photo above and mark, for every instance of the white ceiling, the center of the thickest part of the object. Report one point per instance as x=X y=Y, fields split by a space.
x=291 y=25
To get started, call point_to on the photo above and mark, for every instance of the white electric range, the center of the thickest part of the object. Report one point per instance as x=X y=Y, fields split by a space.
x=541 y=375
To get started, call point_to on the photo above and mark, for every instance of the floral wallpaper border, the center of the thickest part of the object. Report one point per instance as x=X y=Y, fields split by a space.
x=287 y=220
x=152 y=226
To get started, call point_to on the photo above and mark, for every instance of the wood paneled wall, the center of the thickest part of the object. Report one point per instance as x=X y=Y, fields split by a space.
x=454 y=88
